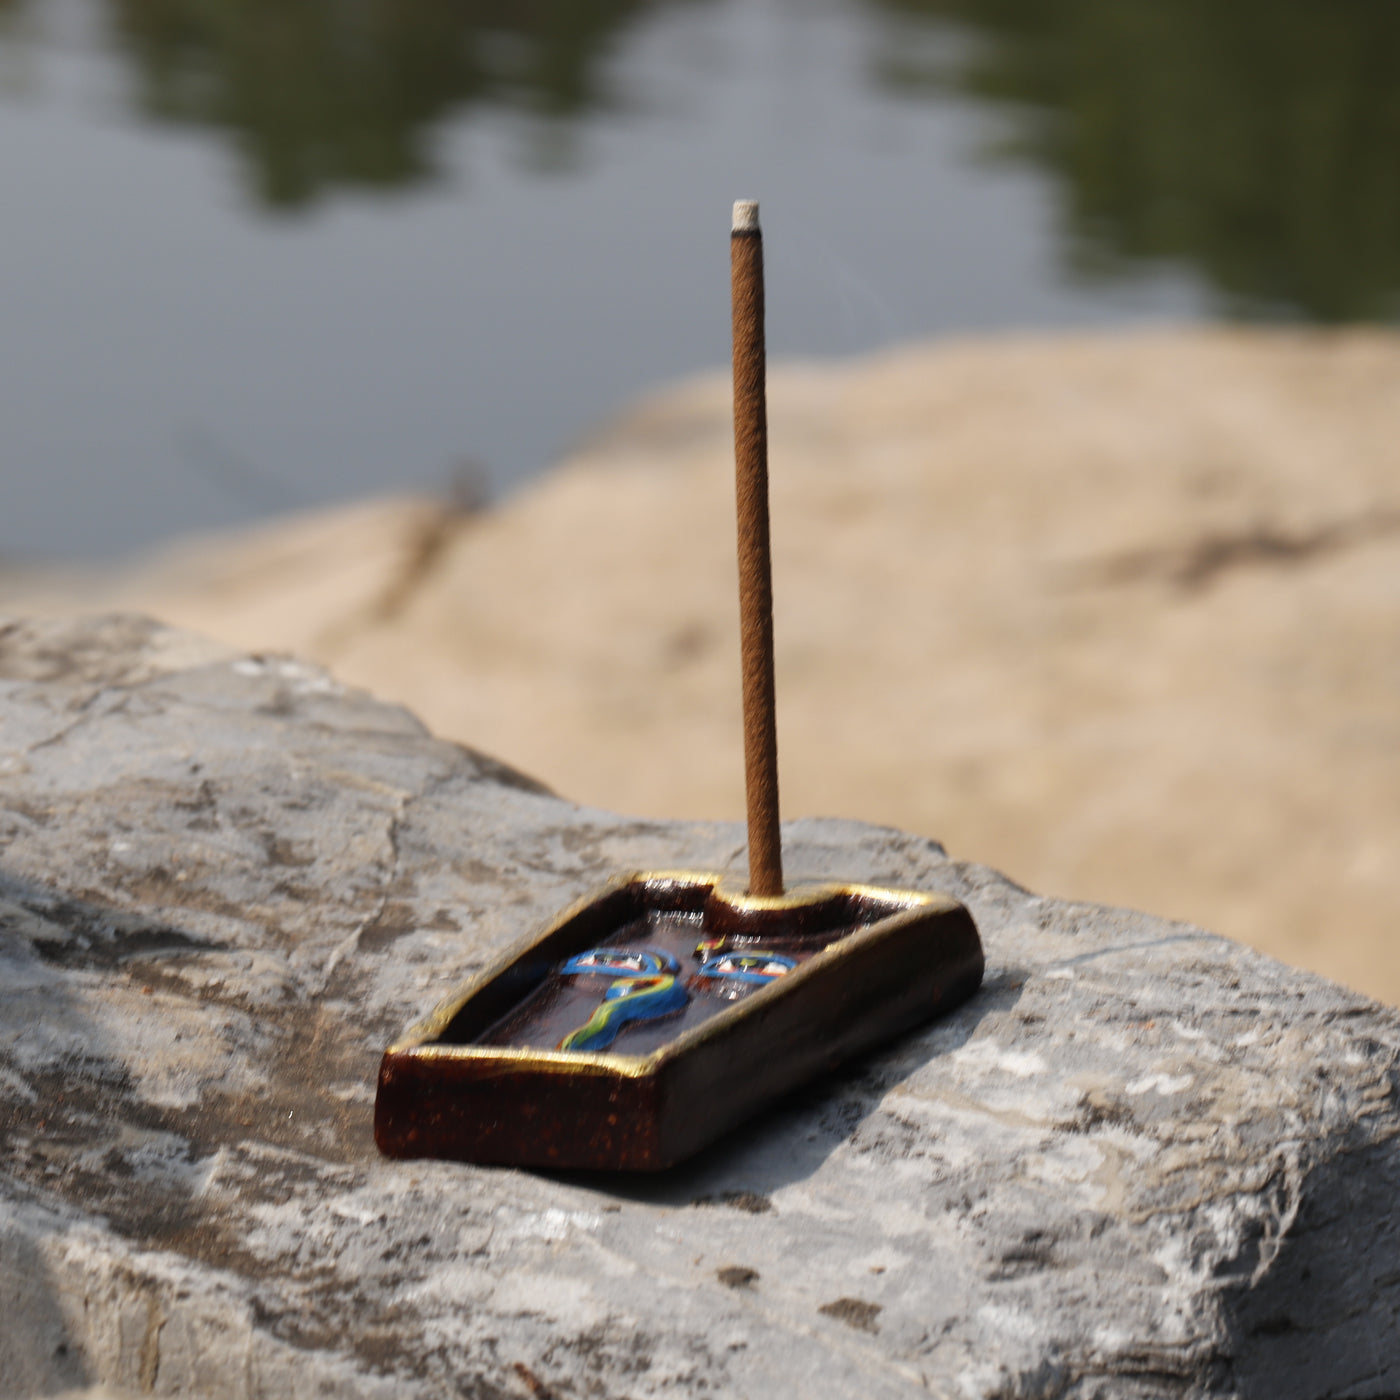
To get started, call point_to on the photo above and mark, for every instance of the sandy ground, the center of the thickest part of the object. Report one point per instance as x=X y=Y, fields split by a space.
x=1086 y=609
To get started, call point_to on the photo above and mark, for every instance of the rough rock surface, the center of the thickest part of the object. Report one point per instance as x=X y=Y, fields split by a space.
x=1143 y=1161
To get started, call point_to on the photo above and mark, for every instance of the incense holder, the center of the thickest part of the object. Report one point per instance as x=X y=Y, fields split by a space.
x=662 y=1010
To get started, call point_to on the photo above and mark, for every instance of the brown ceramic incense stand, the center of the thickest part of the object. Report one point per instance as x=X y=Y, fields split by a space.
x=667 y=1007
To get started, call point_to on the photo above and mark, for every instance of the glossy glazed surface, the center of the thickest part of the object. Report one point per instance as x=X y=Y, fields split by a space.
x=565 y=1001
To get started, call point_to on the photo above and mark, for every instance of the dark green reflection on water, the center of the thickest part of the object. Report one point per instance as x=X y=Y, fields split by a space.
x=1256 y=140
x=320 y=94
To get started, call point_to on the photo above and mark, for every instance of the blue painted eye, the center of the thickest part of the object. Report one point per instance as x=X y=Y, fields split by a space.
x=620 y=962
x=759 y=968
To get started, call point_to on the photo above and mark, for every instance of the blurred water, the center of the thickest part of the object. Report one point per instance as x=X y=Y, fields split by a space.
x=266 y=254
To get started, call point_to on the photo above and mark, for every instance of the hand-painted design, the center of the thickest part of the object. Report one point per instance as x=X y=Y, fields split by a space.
x=645 y=988
x=621 y=962
x=707 y=947
x=760 y=968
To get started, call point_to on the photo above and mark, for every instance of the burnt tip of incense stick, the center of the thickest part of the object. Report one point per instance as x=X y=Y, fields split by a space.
x=745 y=216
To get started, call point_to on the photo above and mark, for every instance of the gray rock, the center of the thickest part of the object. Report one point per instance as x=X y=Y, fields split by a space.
x=1143 y=1161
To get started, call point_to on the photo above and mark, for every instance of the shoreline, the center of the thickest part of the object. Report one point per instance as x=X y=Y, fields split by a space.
x=1086 y=608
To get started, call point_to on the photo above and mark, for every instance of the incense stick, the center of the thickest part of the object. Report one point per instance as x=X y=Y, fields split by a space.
x=755 y=559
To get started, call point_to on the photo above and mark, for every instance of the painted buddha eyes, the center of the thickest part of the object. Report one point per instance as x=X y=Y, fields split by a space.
x=645 y=985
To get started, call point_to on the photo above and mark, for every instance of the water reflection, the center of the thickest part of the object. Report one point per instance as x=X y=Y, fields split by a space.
x=319 y=94
x=1256 y=139
x=1244 y=148
x=1253 y=141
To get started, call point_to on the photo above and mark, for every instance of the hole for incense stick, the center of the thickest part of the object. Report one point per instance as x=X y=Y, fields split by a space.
x=755 y=558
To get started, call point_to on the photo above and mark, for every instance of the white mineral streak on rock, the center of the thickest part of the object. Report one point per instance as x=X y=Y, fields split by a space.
x=991 y=1059
x=1170 y=1173
x=1159 y=1083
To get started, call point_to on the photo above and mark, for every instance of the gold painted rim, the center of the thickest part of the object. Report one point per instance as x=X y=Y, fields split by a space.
x=415 y=1042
